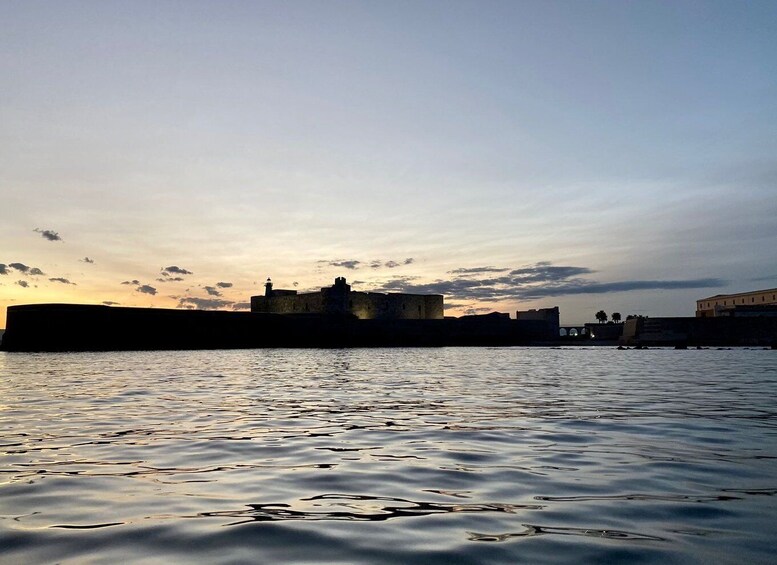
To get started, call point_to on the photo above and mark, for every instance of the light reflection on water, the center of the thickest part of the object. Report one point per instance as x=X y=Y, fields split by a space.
x=466 y=455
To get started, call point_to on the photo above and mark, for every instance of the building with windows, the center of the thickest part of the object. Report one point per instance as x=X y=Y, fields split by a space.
x=340 y=299
x=753 y=303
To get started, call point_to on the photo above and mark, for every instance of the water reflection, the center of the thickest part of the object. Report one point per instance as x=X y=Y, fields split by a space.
x=360 y=508
x=389 y=455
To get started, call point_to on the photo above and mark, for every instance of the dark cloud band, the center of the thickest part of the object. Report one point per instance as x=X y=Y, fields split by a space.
x=527 y=283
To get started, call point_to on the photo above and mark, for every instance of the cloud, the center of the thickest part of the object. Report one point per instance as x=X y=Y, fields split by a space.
x=761 y=279
x=62 y=280
x=474 y=311
x=170 y=279
x=48 y=234
x=528 y=283
x=19 y=267
x=110 y=303
x=133 y=281
x=477 y=270
x=547 y=272
x=241 y=306
x=351 y=264
x=173 y=270
x=227 y=284
x=86 y=260
x=212 y=291
x=203 y=303
x=621 y=286
x=36 y=272
x=4 y=269
x=25 y=284
x=146 y=289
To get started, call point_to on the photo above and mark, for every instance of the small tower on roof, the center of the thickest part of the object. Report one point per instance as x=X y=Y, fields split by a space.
x=268 y=287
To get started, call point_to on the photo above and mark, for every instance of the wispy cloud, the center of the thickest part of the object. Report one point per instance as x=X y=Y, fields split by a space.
x=110 y=303
x=545 y=272
x=51 y=235
x=350 y=264
x=190 y=302
x=62 y=280
x=212 y=291
x=227 y=284
x=477 y=270
x=478 y=310
x=87 y=260
x=24 y=284
x=241 y=306
x=133 y=281
x=353 y=264
x=170 y=279
x=532 y=282
x=621 y=286
x=4 y=269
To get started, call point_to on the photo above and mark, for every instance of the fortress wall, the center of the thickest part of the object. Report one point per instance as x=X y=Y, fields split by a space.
x=405 y=306
x=718 y=331
x=288 y=303
x=73 y=327
x=364 y=305
x=434 y=307
x=373 y=305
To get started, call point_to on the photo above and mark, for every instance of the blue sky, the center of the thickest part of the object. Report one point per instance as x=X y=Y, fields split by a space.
x=591 y=155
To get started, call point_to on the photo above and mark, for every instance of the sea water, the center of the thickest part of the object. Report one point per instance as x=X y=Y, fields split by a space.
x=449 y=455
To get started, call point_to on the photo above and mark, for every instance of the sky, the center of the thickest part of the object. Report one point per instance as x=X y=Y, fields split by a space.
x=512 y=155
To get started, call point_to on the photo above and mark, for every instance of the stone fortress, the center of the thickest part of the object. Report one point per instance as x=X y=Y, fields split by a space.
x=340 y=299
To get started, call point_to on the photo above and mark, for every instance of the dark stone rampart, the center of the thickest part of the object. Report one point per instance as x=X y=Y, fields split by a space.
x=73 y=327
x=683 y=331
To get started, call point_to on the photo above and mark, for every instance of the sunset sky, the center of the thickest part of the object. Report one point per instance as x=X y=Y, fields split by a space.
x=511 y=155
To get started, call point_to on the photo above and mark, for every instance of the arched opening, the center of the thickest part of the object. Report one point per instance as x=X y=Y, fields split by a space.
x=562 y=332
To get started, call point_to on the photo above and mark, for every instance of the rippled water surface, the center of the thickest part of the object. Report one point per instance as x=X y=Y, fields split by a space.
x=452 y=455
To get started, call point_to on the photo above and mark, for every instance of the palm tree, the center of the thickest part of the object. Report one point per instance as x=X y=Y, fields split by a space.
x=601 y=316
x=616 y=317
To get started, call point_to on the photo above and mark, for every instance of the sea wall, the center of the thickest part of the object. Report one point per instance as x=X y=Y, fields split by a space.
x=73 y=327
x=720 y=331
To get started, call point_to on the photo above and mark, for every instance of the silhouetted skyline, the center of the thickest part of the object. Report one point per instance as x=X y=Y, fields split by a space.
x=603 y=155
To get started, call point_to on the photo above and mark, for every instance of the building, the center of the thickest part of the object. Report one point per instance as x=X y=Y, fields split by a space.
x=550 y=315
x=340 y=299
x=754 y=303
